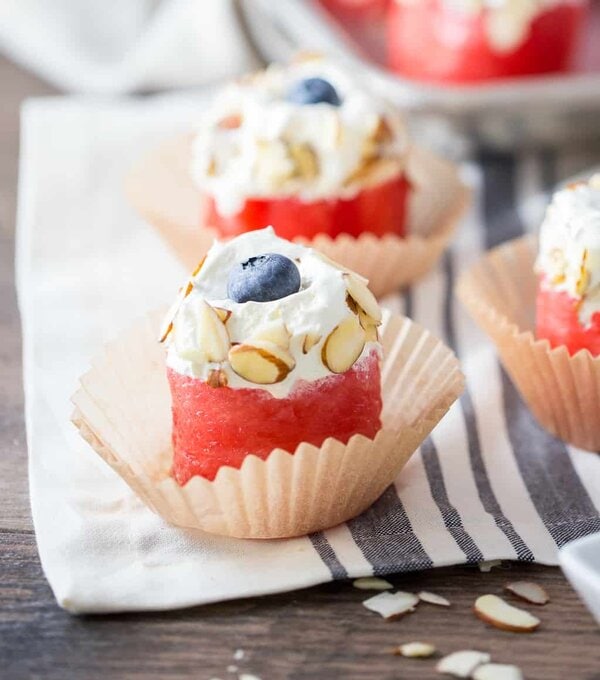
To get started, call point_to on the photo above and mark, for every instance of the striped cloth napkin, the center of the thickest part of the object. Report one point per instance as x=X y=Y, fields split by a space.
x=488 y=484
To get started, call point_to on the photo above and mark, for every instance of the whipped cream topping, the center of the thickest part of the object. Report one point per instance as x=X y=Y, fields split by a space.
x=569 y=255
x=507 y=22
x=319 y=307
x=252 y=142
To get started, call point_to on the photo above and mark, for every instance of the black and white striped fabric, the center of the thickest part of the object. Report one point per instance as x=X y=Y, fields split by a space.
x=489 y=483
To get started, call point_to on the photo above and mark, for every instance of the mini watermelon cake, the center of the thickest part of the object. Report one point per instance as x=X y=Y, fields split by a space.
x=468 y=41
x=270 y=344
x=568 y=265
x=308 y=148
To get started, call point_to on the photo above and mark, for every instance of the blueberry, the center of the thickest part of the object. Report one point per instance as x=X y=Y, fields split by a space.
x=313 y=91
x=263 y=278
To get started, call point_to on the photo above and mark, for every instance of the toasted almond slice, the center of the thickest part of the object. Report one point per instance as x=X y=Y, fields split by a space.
x=528 y=591
x=432 y=598
x=363 y=297
x=213 y=339
x=200 y=336
x=223 y=314
x=217 y=378
x=415 y=650
x=184 y=291
x=462 y=664
x=310 y=340
x=372 y=583
x=275 y=332
x=305 y=160
x=261 y=362
x=498 y=613
x=497 y=671
x=351 y=303
x=343 y=345
x=370 y=326
x=199 y=267
x=392 y=605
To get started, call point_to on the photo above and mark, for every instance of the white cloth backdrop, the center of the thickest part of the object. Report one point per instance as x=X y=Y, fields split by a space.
x=116 y=46
x=488 y=484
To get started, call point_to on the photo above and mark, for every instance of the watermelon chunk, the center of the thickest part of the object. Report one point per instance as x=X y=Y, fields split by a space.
x=217 y=426
x=557 y=320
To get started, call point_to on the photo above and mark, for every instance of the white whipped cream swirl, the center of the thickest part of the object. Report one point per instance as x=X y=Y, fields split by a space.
x=569 y=255
x=316 y=309
x=251 y=142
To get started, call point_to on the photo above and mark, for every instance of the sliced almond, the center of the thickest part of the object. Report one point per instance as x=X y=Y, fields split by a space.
x=360 y=293
x=223 y=313
x=432 y=598
x=498 y=613
x=184 y=291
x=372 y=583
x=217 y=378
x=199 y=267
x=200 y=336
x=392 y=605
x=383 y=132
x=351 y=303
x=343 y=345
x=462 y=664
x=261 y=362
x=528 y=591
x=415 y=650
x=275 y=332
x=305 y=159
x=370 y=326
x=497 y=671
x=310 y=340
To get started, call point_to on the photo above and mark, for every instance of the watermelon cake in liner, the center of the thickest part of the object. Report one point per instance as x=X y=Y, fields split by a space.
x=313 y=150
x=540 y=302
x=284 y=402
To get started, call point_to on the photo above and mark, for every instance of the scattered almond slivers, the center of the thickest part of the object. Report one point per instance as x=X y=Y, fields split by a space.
x=310 y=340
x=497 y=671
x=392 y=605
x=372 y=583
x=498 y=613
x=223 y=314
x=432 y=598
x=462 y=664
x=343 y=345
x=217 y=378
x=210 y=342
x=360 y=293
x=261 y=362
x=415 y=650
x=528 y=591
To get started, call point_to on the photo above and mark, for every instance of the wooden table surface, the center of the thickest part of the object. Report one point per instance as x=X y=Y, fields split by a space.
x=323 y=632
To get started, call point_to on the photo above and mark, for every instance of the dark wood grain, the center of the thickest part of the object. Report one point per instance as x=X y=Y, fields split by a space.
x=318 y=633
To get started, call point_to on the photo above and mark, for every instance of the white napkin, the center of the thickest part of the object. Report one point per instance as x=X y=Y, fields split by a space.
x=489 y=484
x=113 y=46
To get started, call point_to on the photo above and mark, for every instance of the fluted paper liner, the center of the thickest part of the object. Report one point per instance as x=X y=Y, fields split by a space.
x=160 y=188
x=562 y=390
x=123 y=409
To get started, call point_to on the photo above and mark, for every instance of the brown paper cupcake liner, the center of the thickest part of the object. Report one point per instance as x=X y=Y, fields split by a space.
x=160 y=188
x=123 y=410
x=562 y=390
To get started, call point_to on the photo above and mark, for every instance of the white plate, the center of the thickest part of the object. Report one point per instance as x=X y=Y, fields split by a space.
x=549 y=109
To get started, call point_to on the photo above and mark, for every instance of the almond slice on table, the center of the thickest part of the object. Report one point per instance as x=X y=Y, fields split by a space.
x=372 y=583
x=432 y=598
x=261 y=362
x=497 y=671
x=392 y=605
x=360 y=293
x=498 y=613
x=415 y=650
x=462 y=664
x=528 y=591
x=343 y=345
